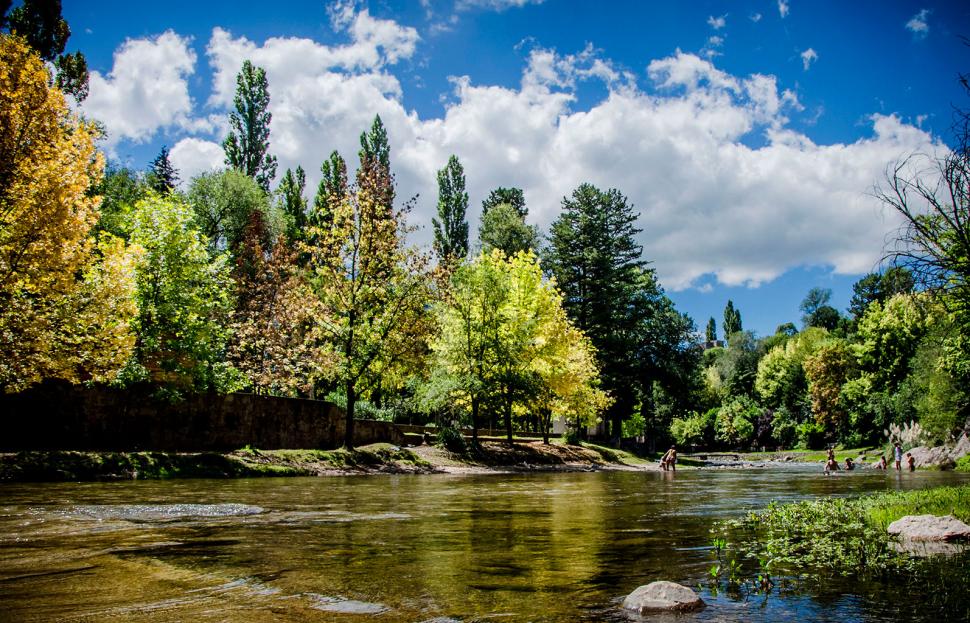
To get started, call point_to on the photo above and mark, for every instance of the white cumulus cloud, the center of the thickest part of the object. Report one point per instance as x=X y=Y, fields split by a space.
x=146 y=89
x=717 y=23
x=783 y=8
x=192 y=156
x=723 y=184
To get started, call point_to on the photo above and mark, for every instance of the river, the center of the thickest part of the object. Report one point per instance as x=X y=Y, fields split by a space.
x=530 y=547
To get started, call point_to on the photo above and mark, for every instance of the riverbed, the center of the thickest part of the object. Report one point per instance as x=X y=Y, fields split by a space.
x=442 y=548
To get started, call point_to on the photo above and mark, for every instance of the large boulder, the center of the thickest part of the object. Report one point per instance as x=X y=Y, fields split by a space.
x=662 y=597
x=930 y=528
x=941 y=456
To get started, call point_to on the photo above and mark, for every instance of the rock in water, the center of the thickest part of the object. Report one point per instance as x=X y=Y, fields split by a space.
x=662 y=597
x=930 y=528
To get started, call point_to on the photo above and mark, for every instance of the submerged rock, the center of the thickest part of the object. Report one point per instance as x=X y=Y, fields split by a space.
x=930 y=528
x=662 y=597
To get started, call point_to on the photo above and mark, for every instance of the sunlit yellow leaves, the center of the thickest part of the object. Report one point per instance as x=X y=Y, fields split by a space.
x=65 y=300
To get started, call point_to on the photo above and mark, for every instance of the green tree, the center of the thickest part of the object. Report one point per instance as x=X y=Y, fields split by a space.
x=330 y=193
x=293 y=204
x=120 y=189
x=735 y=421
x=41 y=24
x=888 y=337
x=184 y=299
x=247 y=144
x=162 y=176
x=827 y=371
x=737 y=364
x=509 y=196
x=596 y=262
x=451 y=228
x=505 y=336
x=732 y=320
x=879 y=287
x=371 y=291
x=666 y=354
x=817 y=312
x=223 y=202
x=502 y=228
x=711 y=334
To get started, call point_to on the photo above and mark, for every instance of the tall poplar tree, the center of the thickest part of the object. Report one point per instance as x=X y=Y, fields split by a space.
x=293 y=203
x=375 y=166
x=331 y=191
x=711 y=330
x=247 y=145
x=732 y=320
x=451 y=231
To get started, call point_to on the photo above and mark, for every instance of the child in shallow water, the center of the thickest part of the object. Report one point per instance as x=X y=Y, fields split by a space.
x=849 y=465
x=831 y=465
x=910 y=461
x=882 y=463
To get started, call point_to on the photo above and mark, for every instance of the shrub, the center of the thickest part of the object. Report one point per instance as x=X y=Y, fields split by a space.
x=451 y=439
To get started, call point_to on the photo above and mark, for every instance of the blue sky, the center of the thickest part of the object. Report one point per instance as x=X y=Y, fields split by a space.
x=749 y=136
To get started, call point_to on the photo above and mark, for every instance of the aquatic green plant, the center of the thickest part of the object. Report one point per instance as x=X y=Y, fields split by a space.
x=844 y=537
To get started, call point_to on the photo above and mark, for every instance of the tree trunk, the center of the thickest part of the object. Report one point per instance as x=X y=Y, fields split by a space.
x=475 y=421
x=349 y=429
x=544 y=424
x=508 y=416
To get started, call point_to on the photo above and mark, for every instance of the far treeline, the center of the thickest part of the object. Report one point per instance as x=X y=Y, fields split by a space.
x=110 y=275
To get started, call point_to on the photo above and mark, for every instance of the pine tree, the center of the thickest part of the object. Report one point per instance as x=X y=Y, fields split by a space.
x=163 y=177
x=247 y=145
x=596 y=261
x=511 y=196
x=451 y=231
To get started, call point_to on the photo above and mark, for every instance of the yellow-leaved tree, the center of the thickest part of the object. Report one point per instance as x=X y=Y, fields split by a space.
x=66 y=299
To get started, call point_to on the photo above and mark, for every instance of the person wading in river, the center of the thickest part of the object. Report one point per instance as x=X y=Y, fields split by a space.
x=669 y=459
x=898 y=456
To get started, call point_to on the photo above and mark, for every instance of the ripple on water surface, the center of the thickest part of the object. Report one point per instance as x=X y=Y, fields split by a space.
x=163 y=512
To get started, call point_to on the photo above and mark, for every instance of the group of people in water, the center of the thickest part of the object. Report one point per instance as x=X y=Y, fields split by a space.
x=668 y=462
x=832 y=465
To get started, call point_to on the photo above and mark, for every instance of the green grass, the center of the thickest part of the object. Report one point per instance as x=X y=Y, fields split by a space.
x=963 y=464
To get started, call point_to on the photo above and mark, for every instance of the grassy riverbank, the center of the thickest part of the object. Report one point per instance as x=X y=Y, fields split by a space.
x=492 y=456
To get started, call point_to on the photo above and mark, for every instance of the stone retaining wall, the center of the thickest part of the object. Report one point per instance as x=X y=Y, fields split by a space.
x=60 y=416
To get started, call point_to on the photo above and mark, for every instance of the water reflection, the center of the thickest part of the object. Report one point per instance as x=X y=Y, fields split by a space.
x=549 y=547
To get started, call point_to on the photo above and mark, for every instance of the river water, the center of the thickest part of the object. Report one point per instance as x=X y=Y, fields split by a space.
x=509 y=548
